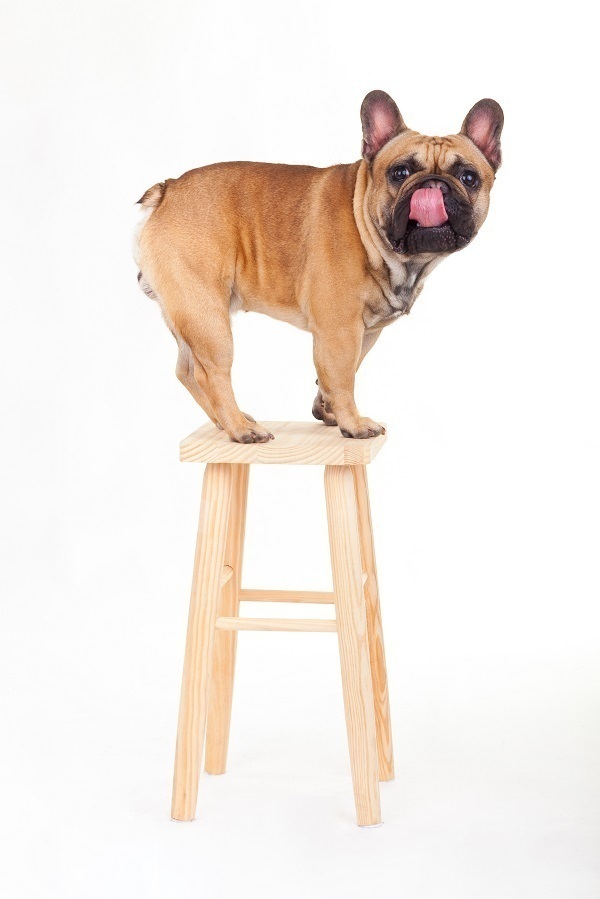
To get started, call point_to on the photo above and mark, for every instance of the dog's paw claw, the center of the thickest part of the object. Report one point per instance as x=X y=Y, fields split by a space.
x=260 y=436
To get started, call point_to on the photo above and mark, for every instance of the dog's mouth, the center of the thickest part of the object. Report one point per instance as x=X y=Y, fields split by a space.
x=431 y=220
x=427 y=239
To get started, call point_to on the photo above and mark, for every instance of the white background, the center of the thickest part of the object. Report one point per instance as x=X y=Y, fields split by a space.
x=485 y=498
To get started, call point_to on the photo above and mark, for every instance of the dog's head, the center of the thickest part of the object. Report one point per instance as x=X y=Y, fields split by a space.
x=429 y=195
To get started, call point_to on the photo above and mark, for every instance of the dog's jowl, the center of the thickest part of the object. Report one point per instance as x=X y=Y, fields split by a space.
x=340 y=252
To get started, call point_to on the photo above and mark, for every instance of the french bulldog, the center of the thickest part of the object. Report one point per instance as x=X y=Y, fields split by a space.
x=340 y=251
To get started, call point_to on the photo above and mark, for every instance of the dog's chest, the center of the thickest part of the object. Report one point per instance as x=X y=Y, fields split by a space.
x=397 y=294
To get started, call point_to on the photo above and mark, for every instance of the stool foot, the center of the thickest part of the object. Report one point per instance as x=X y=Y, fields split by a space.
x=204 y=602
x=344 y=539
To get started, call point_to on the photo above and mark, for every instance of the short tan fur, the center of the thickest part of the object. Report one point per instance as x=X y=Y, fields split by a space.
x=308 y=246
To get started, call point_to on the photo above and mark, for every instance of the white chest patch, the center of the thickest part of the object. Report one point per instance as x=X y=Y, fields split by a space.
x=405 y=283
x=403 y=279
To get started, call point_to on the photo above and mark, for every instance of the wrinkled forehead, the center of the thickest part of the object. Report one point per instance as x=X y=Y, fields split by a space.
x=435 y=154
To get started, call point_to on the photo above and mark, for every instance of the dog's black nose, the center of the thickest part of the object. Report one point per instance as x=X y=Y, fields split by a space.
x=436 y=182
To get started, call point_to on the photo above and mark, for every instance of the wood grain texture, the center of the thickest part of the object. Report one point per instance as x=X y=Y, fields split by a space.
x=296 y=443
x=340 y=494
x=376 y=649
x=206 y=590
x=219 y=711
x=316 y=625
x=286 y=596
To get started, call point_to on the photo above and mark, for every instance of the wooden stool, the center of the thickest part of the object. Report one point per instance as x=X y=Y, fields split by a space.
x=207 y=687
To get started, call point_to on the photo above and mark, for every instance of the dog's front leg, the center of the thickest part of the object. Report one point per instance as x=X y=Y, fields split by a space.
x=337 y=353
x=322 y=410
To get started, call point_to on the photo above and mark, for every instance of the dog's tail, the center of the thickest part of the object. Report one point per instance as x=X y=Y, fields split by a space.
x=149 y=201
x=153 y=196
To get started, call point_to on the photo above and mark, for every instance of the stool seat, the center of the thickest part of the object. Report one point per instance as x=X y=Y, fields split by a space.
x=296 y=443
x=217 y=596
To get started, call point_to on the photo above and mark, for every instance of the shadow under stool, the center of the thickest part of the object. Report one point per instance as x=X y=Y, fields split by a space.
x=214 y=617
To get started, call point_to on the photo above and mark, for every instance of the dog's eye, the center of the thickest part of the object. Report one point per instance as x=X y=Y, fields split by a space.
x=399 y=173
x=470 y=179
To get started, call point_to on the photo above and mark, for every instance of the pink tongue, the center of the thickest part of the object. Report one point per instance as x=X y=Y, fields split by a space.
x=427 y=207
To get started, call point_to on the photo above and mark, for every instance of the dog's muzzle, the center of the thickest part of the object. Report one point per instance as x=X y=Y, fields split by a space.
x=409 y=237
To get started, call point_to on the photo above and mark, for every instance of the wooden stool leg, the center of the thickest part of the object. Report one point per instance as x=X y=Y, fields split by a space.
x=219 y=710
x=385 y=753
x=357 y=684
x=206 y=590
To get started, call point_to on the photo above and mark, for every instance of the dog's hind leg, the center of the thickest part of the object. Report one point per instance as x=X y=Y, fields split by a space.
x=197 y=311
x=210 y=341
x=185 y=374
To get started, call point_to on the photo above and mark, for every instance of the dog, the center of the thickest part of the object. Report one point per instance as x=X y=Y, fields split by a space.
x=340 y=251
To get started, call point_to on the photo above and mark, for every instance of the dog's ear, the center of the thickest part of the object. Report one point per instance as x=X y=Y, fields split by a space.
x=381 y=121
x=483 y=125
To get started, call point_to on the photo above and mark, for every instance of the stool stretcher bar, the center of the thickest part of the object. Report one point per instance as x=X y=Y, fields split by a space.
x=286 y=596
x=318 y=596
x=318 y=625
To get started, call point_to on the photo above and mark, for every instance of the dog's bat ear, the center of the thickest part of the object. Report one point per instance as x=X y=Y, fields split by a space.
x=381 y=121
x=483 y=125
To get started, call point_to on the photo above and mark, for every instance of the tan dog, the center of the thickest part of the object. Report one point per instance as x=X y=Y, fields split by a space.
x=340 y=252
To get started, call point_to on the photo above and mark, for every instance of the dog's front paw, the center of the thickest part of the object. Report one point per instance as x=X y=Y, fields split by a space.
x=322 y=411
x=253 y=433
x=362 y=428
